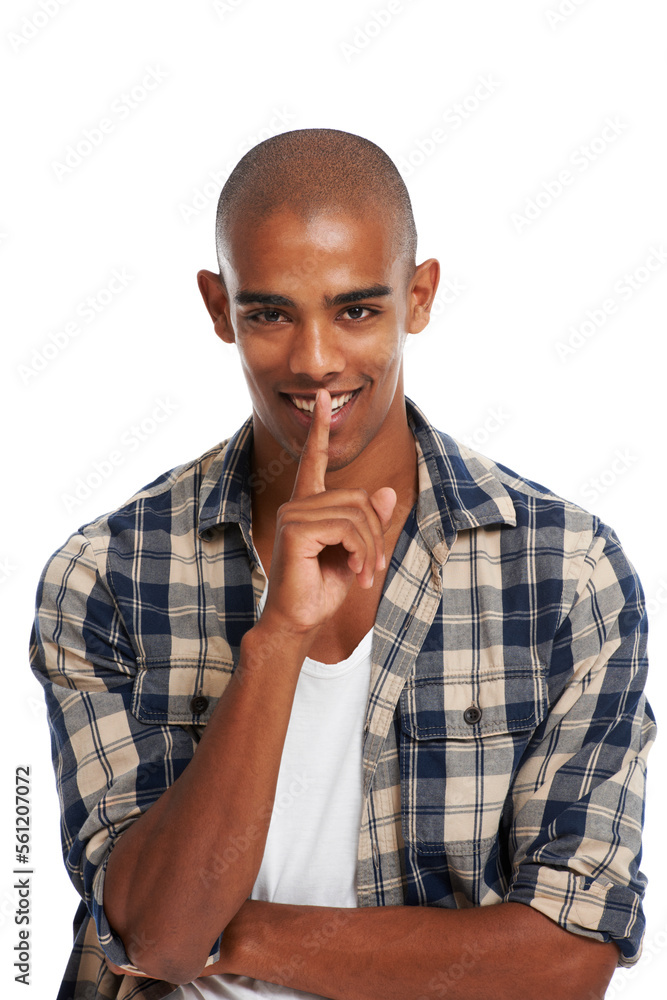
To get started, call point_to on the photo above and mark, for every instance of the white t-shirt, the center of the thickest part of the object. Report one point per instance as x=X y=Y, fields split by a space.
x=311 y=848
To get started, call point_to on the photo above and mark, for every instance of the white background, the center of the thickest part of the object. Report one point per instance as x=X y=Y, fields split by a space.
x=589 y=423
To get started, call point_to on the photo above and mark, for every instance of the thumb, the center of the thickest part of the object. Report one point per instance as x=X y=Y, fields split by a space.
x=384 y=502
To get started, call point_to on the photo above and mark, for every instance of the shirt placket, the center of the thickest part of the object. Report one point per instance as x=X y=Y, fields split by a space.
x=407 y=609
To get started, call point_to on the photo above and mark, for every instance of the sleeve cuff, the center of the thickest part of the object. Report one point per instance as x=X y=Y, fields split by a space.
x=595 y=908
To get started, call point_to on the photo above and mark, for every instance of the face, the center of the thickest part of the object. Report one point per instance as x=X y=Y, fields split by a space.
x=322 y=302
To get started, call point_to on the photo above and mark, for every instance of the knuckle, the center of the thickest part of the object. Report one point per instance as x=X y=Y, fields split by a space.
x=290 y=509
x=360 y=494
x=355 y=514
x=362 y=498
x=288 y=531
x=282 y=517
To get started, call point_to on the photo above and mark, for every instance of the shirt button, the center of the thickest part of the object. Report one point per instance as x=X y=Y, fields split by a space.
x=472 y=715
x=198 y=704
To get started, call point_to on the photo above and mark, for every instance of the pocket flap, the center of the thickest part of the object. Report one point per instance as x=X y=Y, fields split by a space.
x=179 y=690
x=502 y=700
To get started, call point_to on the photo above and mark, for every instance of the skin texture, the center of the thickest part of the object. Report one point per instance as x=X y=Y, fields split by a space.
x=324 y=528
x=313 y=344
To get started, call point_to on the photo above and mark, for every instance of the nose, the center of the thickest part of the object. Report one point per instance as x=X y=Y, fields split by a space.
x=316 y=350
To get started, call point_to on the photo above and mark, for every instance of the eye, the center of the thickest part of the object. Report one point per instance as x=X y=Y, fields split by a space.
x=355 y=312
x=266 y=316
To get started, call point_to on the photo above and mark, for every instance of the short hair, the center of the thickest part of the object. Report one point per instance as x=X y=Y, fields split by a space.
x=312 y=170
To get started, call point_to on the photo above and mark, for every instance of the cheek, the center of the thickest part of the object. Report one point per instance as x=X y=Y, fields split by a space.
x=257 y=364
x=384 y=363
x=380 y=360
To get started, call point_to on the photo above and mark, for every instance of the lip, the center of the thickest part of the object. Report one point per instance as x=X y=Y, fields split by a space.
x=304 y=419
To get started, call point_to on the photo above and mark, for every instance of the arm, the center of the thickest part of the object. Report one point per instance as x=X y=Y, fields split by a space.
x=165 y=887
x=509 y=951
x=129 y=791
x=168 y=891
x=576 y=834
x=155 y=881
x=578 y=796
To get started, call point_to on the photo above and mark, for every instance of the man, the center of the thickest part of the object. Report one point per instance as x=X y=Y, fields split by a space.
x=411 y=766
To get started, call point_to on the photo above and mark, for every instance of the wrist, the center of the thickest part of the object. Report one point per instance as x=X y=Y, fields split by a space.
x=269 y=645
x=257 y=937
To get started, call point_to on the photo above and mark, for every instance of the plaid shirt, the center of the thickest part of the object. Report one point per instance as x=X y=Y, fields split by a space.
x=506 y=730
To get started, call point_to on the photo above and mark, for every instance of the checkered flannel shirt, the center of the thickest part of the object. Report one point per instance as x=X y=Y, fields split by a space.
x=506 y=730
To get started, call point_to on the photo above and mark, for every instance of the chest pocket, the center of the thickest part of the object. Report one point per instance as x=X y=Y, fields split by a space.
x=461 y=742
x=180 y=690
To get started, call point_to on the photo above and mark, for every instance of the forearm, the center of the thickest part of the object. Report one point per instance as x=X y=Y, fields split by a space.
x=170 y=889
x=508 y=952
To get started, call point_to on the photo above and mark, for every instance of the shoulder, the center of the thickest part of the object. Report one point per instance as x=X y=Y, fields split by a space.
x=163 y=496
x=166 y=508
x=525 y=521
x=466 y=480
x=526 y=493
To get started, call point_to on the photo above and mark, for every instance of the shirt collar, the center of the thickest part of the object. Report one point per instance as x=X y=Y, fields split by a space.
x=472 y=492
x=225 y=491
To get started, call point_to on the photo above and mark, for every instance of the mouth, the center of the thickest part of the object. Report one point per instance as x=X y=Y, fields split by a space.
x=302 y=406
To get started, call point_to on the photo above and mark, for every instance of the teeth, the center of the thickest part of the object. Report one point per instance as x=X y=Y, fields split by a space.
x=303 y=404
x=338 y=401
x=309 y=404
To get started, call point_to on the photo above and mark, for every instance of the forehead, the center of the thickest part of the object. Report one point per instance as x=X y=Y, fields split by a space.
x=287 y=246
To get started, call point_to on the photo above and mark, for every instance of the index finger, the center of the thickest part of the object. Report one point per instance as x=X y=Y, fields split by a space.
x=315 y=455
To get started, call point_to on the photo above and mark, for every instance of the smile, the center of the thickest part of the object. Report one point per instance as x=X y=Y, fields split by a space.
x=302 y=406
x=308 y=404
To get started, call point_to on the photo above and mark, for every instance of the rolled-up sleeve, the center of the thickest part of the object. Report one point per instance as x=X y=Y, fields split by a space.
x=578 y=797
x=109 y=766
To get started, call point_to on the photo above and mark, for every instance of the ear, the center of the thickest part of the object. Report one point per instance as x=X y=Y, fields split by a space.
x=421 y=294
x=216 y=301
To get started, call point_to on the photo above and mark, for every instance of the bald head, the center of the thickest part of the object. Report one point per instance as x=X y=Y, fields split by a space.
x=311 y=171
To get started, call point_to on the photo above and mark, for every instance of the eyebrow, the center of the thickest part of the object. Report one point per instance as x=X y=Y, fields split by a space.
x=249 y=297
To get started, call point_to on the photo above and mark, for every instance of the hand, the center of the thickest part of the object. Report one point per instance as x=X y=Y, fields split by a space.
x=324 y=539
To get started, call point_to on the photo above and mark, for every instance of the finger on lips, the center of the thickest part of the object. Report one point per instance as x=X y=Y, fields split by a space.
x=315 y=455
x=366 y=558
